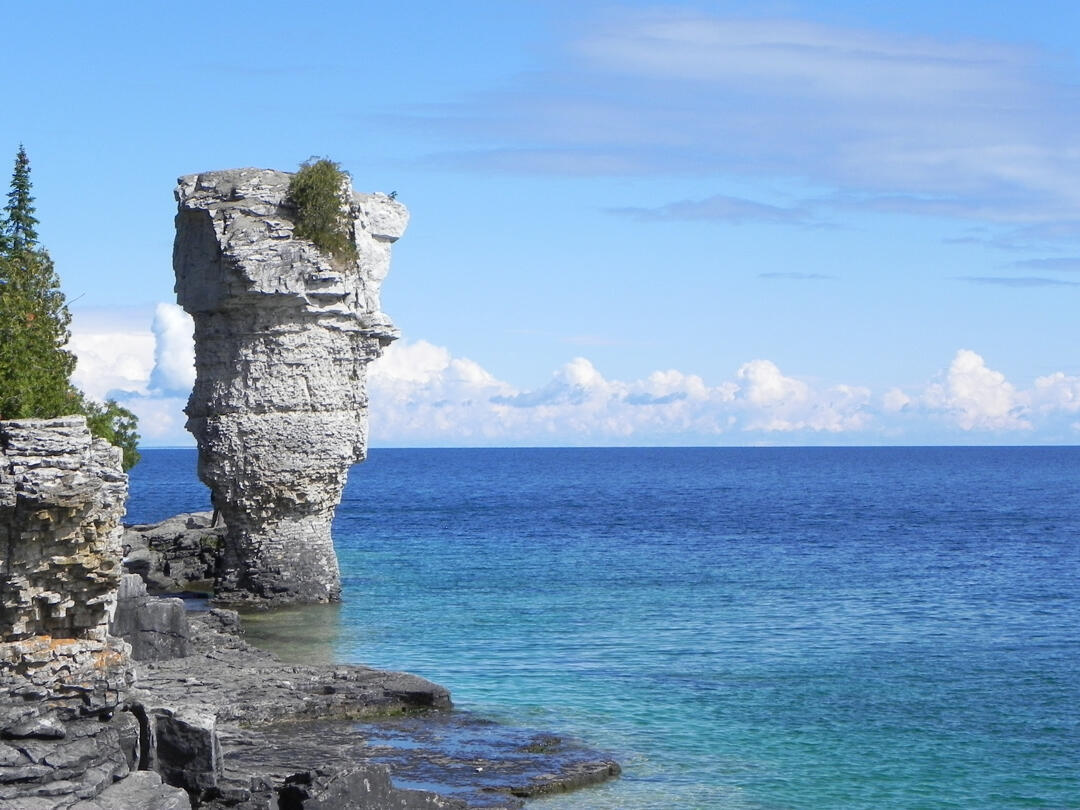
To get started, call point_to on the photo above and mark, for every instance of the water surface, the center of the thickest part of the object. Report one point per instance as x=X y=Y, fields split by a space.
x=745 y=628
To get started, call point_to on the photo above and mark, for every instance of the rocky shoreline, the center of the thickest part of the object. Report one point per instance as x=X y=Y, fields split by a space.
x=114 y=698
x=274 y=719
x=231 y=726
x=313 y=735
x=111 y=694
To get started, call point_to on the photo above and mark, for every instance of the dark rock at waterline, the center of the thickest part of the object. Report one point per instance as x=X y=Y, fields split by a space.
x=177 y=555
x=76 y=638
x=477 y=762
x=257 y=733
x=157 y=629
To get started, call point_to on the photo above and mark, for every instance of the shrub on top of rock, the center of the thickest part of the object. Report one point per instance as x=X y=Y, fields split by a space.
x=317 y=191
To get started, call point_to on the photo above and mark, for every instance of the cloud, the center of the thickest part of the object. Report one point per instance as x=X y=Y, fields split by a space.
x=421 y=394
x=977 y=397
x=766 y=386
x=855 y=110
x=1057 y=392
x=114 y=352
x=1018 y=281
x=1057 y=264
x=174 y=351
x=1050 y=235
x=417 y=397
x=148 y=371
x=818 y=60
x=720 y=208
x=774 y=402
x=894 y=400
x=796 y=276
x=112 y=362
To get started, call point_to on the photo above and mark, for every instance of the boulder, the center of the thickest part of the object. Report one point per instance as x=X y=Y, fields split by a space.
x=157 y=629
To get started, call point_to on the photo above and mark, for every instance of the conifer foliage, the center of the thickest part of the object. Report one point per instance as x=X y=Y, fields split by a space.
x=35 y=365
x=19 y=231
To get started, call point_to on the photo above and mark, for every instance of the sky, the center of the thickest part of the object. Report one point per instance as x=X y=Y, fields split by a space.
x=699 y=223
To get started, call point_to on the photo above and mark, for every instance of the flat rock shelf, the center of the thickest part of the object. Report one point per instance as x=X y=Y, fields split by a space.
x=330 y=733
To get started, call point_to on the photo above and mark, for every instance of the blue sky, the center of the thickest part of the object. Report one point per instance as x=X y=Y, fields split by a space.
x=632 y=223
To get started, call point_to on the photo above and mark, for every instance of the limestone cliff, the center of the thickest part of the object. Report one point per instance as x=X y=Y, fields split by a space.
x=62 y=496
x=62 y=677
x=283 y=336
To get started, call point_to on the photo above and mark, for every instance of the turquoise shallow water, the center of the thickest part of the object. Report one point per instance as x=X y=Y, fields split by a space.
x=745 y=628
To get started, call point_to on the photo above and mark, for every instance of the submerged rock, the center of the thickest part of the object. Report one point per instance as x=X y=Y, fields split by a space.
x=256 y=733
x=283 y=336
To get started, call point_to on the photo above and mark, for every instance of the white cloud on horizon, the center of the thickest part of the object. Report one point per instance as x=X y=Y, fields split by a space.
x=421 y=393
x=977 y=397
x=150 y=372
x=112 y=362
x=417 y=397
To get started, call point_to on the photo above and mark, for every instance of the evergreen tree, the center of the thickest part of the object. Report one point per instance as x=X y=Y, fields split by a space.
x=35 y=365
x=19 y=231
x=35 y=368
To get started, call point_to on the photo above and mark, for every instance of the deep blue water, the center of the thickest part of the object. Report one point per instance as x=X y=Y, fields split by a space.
x=744 y=628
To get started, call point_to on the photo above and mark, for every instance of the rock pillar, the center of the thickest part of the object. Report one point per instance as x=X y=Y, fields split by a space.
x=283 y=336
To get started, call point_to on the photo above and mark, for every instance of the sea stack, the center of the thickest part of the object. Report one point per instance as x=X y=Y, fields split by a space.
x=283 y=336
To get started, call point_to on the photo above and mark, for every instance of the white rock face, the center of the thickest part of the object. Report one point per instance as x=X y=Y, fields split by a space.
x=283 y=336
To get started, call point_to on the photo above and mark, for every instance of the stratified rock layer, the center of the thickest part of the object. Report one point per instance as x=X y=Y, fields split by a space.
x=62 y=497
x=63 y=680
x=283 y=336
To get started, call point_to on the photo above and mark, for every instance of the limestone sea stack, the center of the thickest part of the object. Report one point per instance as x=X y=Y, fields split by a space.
x=283 y=336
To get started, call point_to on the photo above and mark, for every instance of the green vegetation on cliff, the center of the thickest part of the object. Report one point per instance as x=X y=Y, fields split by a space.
x=35 y=365
x=316 y=191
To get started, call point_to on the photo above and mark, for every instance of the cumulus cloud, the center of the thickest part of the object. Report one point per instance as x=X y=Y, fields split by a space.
x=421 y=394
x=977 y=397
x=112 y=363
x=417 y=396
x=894 y=400
x=148 y=371
x=775 y=402
x=1056 y=392
x=174 y=351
